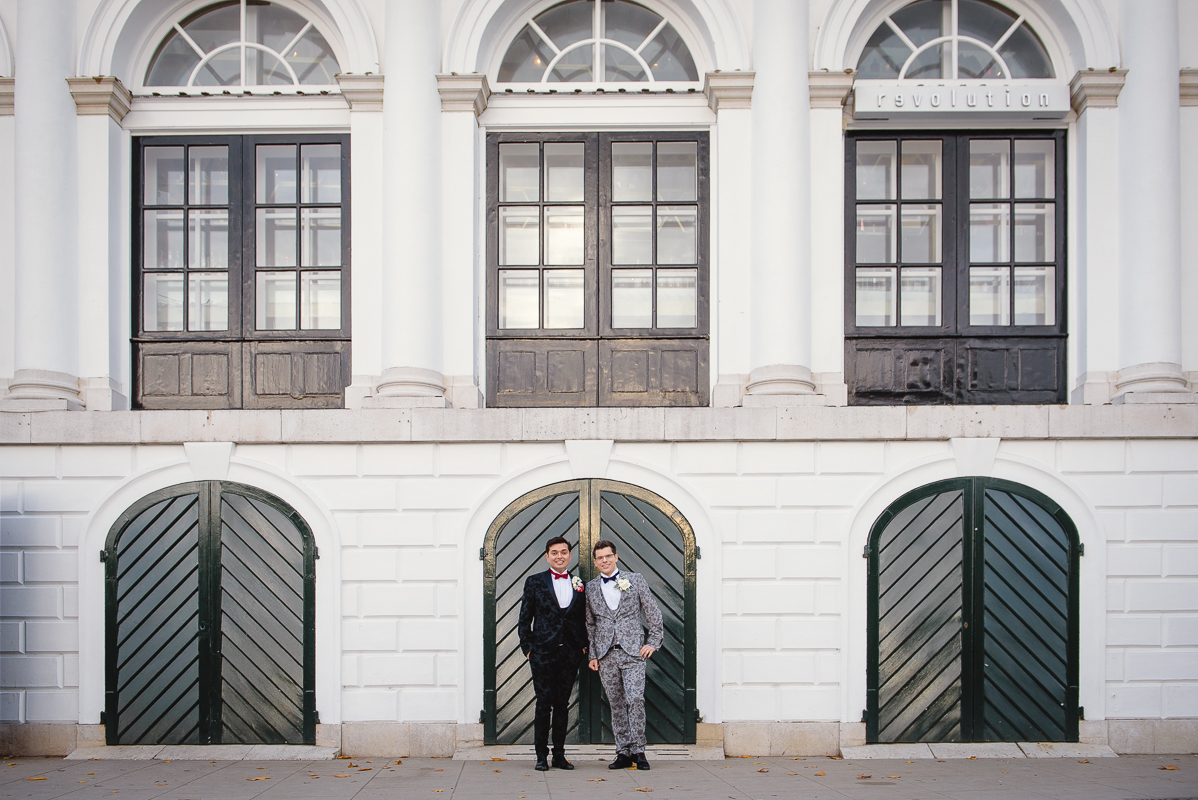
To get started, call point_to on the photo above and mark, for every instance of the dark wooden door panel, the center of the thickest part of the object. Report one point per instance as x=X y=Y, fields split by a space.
x=890 y=372
x=533 y=373
x=653 y=372
x=1011 y=370
x=286 y=374
x=189 y=375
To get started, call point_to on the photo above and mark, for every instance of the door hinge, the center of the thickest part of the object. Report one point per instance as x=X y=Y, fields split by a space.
x=482 y=715
x=698 y=553
x=698 y=715
x=315 y=552
x=103 y=555
x=317 y=715
x=482 y=554
x=865 y=715
x=1081 y=549
x=865 y=553
x=103 y=718
x=1081 y=712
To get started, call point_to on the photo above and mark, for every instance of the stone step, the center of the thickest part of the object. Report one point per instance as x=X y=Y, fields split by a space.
x=946 y=750
x=591 y=752
x=205 y=752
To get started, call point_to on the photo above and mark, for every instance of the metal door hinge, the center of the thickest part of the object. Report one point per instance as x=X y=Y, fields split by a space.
x=1081 y=712
x=865 y=715
x=103 y=718
x=482 y=554
x=317 y=717
x=103 y=555
x=482 y=715
x=1081 y=549
x=698 y=715
x=315 y=552
x=866 y=552
x=698 y=553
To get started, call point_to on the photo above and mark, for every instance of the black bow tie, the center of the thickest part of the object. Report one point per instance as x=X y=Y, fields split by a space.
x=609 y=580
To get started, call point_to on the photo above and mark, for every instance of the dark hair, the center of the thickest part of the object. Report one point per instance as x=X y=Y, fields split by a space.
x=601 y=544
x=557 y=540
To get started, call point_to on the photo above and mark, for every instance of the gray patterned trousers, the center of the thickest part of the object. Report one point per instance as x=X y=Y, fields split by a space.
x=623 y=678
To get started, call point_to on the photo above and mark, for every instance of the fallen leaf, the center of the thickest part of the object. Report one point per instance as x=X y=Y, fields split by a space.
x=166 y=761
x=755 y=763
x=351 y=764
x=746 y=756
x=369 y=762
x=894 y=776
x=819 y=774
x=493 y=759
x=589 y=780
x=1084 y=761
x=399 y=762
x=798 y=759
x=259 y=778
x=157 y=784
x=910 y=762
x=337 y=757
x=341 y=776
x=836 y=758
x=265 y=767
x=642 y=789
x=91 y=773
x=863 y=777
x=497 y=770
x=365 y=769
x=1167 y=766
x=436 y=770
x=767 y=769
x=792 y=773
x=86 y=782
x=43 y=777
x=438 y=790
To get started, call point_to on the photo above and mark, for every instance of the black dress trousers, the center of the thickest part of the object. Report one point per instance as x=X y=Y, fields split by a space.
x=554 y=672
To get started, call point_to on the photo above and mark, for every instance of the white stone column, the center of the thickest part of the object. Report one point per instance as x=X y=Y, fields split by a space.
x=730 y=96
x=463 y=99
x=46 y=315
x=1150 y=208
x=780 y=282
x=8 y=259
x=411 y=275
x=1189 y=232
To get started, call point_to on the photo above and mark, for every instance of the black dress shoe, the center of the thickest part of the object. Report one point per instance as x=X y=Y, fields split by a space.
x=542 y=765
x=560 y=762
x=641 y=761
x=622 y=762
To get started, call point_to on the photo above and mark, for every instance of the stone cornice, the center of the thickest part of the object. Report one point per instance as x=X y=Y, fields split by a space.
x=464 y=92
x=728 y=89
x=830 y=89
x=362 y=92
x=1189 y=87
x=1093 y=89
x=102 y=94
x=7 y=87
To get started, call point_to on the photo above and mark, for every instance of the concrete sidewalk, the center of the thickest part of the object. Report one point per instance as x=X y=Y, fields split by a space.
x=736 y=779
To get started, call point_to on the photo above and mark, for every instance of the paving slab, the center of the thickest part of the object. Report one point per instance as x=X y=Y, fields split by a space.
x=606 y=753
x=123 y=752
x=976 y=750
x=1066 y=750
x=887 y=751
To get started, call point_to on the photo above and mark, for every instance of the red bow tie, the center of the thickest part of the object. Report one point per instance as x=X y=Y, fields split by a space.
x=564 y=576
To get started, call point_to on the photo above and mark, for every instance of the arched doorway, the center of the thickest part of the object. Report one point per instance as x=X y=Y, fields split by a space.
x=210 y=604
x=653 y=539
x=973 y=616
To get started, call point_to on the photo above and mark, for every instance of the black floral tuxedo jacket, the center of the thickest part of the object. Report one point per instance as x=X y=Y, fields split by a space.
x=545 y=625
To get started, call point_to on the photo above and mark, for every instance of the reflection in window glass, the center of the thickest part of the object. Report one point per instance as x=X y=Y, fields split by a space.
x=519 y=298
x=921 y=234
x=519 y=172
x=931 y=63
x=677 y=298
x=876 y=242
x=920 y=296
x=632 y=298
x=276 y=173
x=1035 y=168
x=208 y=175
x=563 y=298
x=162 y=234
x=574 y=67
x=222 y=69
x=563 y=235
x=988 y=232
x=320 y=301
x=322 y=237
x=669 y=57
x=875 y=170
x=922 y=170
x=321 y=164
x=632 y=235
x=677 y=171
x=208 y=301
x=162 y=296
x=631 y=171
x=989 y=167
x=1035 y=296
x=876 y=297
x=164 y=176
x=621 y=66
x=563 y=172
x=1034 y=239
x=275 y=237
x=519 y=234
x=989 y=296
x=276 y=301
x=208 y=234
x=676 y=234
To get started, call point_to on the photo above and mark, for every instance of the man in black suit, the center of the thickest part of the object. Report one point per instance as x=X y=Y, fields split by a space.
x=553 y=637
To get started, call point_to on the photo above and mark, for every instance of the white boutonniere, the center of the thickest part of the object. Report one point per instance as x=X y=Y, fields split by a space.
x=623 y=584
x=576 y=582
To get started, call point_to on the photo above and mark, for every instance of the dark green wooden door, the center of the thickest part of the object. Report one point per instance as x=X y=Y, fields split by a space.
x=653 y=539
x=210 y=620
x=972 y=617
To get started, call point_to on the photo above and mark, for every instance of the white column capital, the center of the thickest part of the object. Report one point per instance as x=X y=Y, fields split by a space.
x=729 y=89
x=7 y=93
x=464 y=92
x=102 y=94
x=363 y=92
x=830 y=89
x=1093 y=89
x=1189 y=87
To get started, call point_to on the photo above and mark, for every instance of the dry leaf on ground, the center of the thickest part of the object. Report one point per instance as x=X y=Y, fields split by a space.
x=819 y=774
x=341 y=776
x=767 y=769
x=259 y=778
x=43 y=777
x=589 y=780
x=399 y=762
x=365 y=769
x=792 y=773
x=1084 y=761
x=1169 y=766
x=894 y=776
x=642 y=789
x=493 y=759
x=863 y=777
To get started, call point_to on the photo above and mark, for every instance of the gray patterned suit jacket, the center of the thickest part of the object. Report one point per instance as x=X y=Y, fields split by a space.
x=606 y=627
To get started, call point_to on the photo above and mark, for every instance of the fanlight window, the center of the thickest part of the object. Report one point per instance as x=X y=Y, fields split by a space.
x=584 y=41
x=953 y=40
x=243 y=44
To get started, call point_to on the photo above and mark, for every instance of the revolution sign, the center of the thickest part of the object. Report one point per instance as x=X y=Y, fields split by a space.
x=882 y=99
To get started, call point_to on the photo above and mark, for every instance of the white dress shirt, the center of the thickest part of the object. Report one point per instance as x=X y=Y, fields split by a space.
x=563 y=587
x=611 y=592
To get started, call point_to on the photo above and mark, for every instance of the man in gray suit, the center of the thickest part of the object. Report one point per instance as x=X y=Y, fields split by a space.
x=618 y=648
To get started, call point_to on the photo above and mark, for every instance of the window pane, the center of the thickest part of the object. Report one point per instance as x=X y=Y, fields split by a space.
x=208 y=237
x=989 y=168
x=567 y=23
x=276 y=301
x=265 y=69
x=876 y=298
x=563 y=172
x=164 y=176
x=275 y=237
x=563 y=235
x=162 y=297
x=988 y=232
x=632 y=298
x=1035 y=296
x=876 y=242
x=173 y=64
x=276 y=173
x=628 y=23
x=875 y=170
x=563 y=298
x=163 y=239
x=921 y=234
x=921 y=170
x=313 y=60
x=574 y=67
x=677 y=168
x=519 y=230
x=220 y=26
x=930 y=63
x=989 y=296
x=631 y=171
x=619 y=65
x=1035 y=170
x=920 y=296
x=320 y=301
x=518 y=298
x=321 y=165
x=1025 y=55
x=976 y=62
x=322 y=237
x=208 y=175
x=526 y=58
x=1034 y=234
x=208 y=301
x=676 y=236
x=677 y=292
x=223 y=69
x=669 y=57
x=632 y=235
x=519 y=172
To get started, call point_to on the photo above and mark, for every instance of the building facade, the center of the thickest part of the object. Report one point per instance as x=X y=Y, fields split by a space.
x=865 y=327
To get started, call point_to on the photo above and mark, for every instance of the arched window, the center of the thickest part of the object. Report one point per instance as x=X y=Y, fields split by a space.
x=243 y=44
x=584 y=41
x=954 y=40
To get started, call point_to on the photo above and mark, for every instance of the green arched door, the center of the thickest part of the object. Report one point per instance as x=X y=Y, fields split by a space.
x=653 y=539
